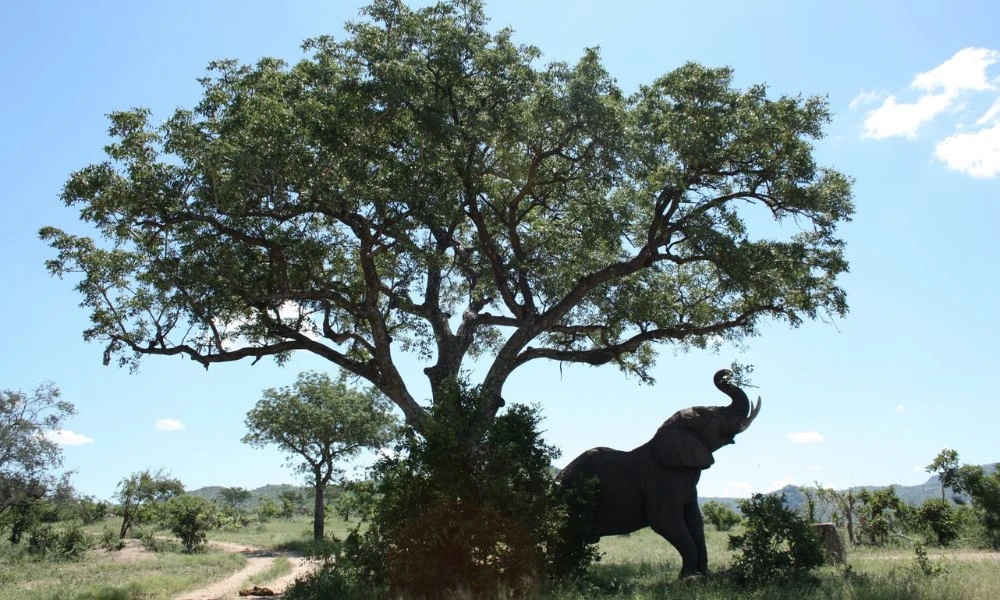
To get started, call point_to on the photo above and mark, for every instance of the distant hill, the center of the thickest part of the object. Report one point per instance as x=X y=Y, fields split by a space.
x=272 y=491
x=911 y=494
x=794 y=496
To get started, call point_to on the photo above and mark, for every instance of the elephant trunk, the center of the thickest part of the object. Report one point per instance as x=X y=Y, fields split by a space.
x=739 y=409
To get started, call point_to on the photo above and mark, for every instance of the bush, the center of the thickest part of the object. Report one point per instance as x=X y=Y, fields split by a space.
x=938 y=517
x=68 y=542
x=110 y=541
x=720 y=515
x=190 y=518
x=777 y=542
x=471 y=505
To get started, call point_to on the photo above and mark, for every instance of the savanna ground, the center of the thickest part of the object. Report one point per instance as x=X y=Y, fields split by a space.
x=636 y=567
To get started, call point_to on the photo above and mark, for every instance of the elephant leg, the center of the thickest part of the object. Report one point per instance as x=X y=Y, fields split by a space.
x=696 y=527
x=674 y=530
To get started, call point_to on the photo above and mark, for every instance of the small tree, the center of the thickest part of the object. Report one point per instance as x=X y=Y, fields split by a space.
x=719 y=515
x=878 y=513
x=945 y=464
x=142 y=494
x=235 y=497
x=320 y=423
x=985 y=493
x=777 y=542
x=28 y=455
x=291 y=503
x=189 y=518
x=845 y=503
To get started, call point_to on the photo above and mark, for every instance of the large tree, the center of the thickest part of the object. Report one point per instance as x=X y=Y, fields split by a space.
x=427 y=185
x=320 y=423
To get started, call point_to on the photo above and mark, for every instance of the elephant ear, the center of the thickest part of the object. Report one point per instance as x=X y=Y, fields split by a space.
x=677 y=447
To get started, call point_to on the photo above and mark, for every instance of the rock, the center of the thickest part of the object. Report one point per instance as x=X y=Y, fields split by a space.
x=833 y=547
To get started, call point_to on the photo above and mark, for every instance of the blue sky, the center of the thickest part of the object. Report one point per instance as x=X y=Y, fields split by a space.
x=867 y=399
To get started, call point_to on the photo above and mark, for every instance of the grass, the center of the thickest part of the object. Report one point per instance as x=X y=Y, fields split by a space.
x=644 y=567
x=101 y=575
x=280 y=566
x=641 y=566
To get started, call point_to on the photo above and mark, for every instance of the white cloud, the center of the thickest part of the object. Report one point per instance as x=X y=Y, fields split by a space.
x=866 y=97
x=65 y=437
x=944 y=85
x=975 y=153
x=737 y=489
x=920 y=469
x=992 y=115
x=894 y=118
x=903 y=408
x=806 y=437
x=964 y=71
x=169 y=425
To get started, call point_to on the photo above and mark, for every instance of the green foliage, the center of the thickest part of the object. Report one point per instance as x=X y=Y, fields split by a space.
x=320 y=422
x=66 y=542
x=428 y=184
x=190 y=518
x=267 y=509
x=28 y=454
x=719 y=515
x=938 y=516
x=468 y=505
x=110 y=540
x=878 y=514
x=985 y=493
x=292 y=503
x=235 y=497
x=142 y=495
x=924 y=563
x=777 y=543
x=945 y=464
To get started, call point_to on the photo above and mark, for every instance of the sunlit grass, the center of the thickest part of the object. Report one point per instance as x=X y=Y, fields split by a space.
x=104 y=575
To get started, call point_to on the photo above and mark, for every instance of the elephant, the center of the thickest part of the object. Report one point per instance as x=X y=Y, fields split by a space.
x=655 y=485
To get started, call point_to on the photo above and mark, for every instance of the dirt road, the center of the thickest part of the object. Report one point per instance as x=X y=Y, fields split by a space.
x=258 y=560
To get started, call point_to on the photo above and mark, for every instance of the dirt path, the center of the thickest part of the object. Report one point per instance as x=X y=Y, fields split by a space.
x=258 y=560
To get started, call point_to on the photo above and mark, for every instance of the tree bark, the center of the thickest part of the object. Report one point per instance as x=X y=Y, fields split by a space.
x=319 y=514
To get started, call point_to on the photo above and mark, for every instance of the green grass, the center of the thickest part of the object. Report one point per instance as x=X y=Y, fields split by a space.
x=641 y=566
x=102 y=576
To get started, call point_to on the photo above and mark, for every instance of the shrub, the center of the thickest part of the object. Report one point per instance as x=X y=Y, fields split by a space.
x=777 y=542
x=719 y=515
x=189 y=518
x=110 y=541
x=938 y=516
x=267 y=509
x=470 y=505
x=68 y=542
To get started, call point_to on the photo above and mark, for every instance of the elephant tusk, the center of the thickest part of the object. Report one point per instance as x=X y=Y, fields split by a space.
x=753 y=415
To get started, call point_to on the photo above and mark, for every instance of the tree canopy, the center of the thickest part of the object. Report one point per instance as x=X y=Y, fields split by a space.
x=320 y=423
x=28 y=456
x=427 y=185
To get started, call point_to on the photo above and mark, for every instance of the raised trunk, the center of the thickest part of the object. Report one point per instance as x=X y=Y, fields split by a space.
x=740 y=405
x=319 y=514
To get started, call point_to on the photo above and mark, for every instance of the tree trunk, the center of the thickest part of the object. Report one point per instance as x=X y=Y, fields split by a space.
x=319 y=514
